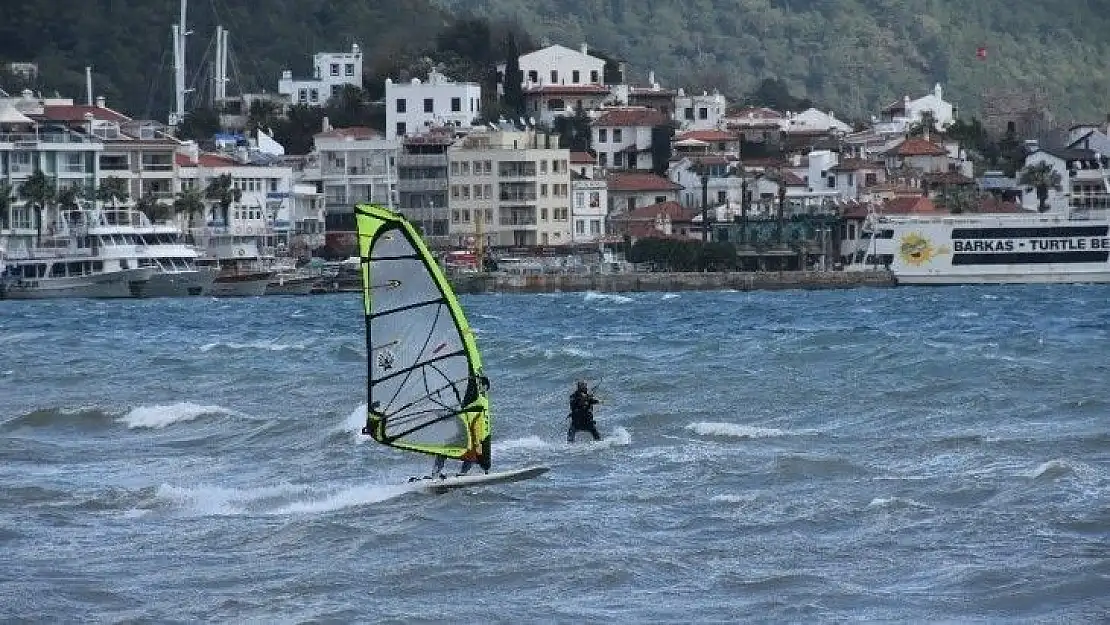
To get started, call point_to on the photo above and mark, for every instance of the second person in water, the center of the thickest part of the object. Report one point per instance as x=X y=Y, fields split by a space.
x=582 y=412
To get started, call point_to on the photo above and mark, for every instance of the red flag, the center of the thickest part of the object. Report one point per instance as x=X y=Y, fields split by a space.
x=981 y=52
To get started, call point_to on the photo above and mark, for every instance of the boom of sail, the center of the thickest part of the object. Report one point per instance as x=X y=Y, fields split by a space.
x=426 y=390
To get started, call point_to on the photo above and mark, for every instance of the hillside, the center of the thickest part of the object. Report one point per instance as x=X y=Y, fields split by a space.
x=128 y=42
x=850 y=55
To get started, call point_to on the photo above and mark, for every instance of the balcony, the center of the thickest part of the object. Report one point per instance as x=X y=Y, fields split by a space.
x=517 y=197
x=422 y=160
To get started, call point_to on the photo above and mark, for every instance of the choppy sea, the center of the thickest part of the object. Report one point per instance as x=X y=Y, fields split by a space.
x=894 y=455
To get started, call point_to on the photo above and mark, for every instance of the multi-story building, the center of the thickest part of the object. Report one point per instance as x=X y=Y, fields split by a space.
x=67 y=157
x=266 y=202
x=415 y=107
x=622 y=137
x=510 y=188
x=699 y=112
x=356 y=165
x=422 y=184
x=557 y=65
x=331 y=71
x=589 y=207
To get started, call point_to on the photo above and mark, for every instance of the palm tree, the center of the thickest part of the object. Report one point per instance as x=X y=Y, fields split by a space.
x=924 y=126
x=41 y=192
x=112 y=188
x=190 y=203
x=154 y=210
x=1041 y=177
x=222 y=191
x=6 y=197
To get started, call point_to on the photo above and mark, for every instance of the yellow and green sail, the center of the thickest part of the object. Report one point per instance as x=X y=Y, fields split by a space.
x=426 y=390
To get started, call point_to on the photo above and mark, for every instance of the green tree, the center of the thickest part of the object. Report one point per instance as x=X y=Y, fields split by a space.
x=154 y=210
x=222 y=191
x=574 y=131
x=1042 y=177
x=112 y=188
x=662 y=137
x=190 y=203
x=40 y=191
x=7 y=197
x=200 y=123
x=512 y=101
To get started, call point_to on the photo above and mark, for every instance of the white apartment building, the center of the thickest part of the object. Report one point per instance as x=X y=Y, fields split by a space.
x=331 y=70
x=510 y=188
x=621 y=136
x=589 y=207
x=907 y=111
x=67 y=157
x=699 y=112
x=356 y=165
x=413 y=108
x=266 y=202
x=557 y=65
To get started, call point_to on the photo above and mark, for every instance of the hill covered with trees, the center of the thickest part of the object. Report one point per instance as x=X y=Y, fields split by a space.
x=853 y=56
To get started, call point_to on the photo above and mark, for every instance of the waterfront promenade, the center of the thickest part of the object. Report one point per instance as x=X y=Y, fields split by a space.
x=635 y=281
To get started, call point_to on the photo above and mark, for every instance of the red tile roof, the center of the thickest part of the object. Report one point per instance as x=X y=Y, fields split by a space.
x=856 y=164
x=855 y=210
x=916 y=146
x=77 y=112
x=791 y=179
x=708 y=135
x=566 y=89
x=639 y=181
x=582 y=158
x=205 y=160
x=995 y=205
x=910 y=205
x=675 y=211
x=354 y=132
x=625 y=117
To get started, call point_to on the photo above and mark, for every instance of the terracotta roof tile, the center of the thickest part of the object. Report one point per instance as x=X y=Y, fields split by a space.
x=708 y=135
x=354 y=132
x=639 y=181
x=910 y=205
x=582 y=158
x=916 y=146
x=76 y=113
x=206 y=160
x=625 y=117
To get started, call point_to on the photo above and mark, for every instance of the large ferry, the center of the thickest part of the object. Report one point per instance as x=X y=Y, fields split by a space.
x=988 y=248
x=1064 y=238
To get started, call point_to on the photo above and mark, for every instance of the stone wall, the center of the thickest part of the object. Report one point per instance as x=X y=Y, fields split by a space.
x=632 y=282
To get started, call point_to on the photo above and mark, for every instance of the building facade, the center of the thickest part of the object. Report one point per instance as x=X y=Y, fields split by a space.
x=509 y=188
x=557 y=65
x=355 y=165
x=415 y=107
x=422 y=184
x=331 y=71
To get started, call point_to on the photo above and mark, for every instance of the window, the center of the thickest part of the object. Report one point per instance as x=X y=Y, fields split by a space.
x=602 y=159
x=465 y=192
x=464 y=168
x=870 y=180
x=429 y=105
x=302 y=95
x=659 y=199
x=688 y=113
x=618 y=159
x=335 y=69
x=454 y=168
x=456 y=105
x=722 y=197
x=602 y=135
x=543 y=167
x=401 y=105
x=595 y=226
x=477 y=191
x=349 y=69
x=401 y=129
x=543 y=214
x=314 y=95
x=580 y=226
x=335 y=90
x=594 y=77
x=703 y=113
x=543 y=190
x=488 y=191
x=455 y=193
x=533 y=76
x=831 y=182
x=617 y=135
x=579 y=199
x=554 y=77
x=574 y=77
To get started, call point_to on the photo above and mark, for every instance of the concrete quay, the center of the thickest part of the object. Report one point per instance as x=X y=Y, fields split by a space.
x=639 y=282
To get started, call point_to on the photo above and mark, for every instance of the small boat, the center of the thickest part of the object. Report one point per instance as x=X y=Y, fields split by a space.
x=426 y=392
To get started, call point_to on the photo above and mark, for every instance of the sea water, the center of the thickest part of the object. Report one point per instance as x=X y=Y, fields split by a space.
x=932 y=454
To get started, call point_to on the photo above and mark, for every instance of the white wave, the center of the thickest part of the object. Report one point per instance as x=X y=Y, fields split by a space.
x=966 y=314
x=885 y=503
x=735 y=430
x=1052 y=469
x=733 y=498
x=527 y=443
x=8 y=372
x=344 y=498
x=280 y=499
x=20 y=337
x=594 y=296
x=272 y=346
x=160 y=416
x=670 y=296
x=354 y=423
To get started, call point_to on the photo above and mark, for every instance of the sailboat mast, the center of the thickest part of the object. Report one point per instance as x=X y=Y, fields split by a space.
x=179 y=32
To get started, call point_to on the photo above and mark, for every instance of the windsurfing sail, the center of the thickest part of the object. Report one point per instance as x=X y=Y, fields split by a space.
x=426 y=390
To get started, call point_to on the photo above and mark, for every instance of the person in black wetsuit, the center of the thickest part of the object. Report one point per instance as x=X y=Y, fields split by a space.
x=582 y=413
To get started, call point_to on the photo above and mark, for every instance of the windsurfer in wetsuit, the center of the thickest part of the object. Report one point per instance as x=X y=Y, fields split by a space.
x=582 y=412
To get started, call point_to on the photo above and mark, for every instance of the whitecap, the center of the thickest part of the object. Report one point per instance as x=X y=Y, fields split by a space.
x=272 y=346
x=160 y=416
x=735 y=430
x=593 y=296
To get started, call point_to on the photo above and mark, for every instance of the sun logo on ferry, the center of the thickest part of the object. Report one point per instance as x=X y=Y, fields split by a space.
x=916 y=249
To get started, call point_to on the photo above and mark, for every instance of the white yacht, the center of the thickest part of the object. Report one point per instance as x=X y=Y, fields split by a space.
x=123 y=232
x=66 y=261
x=243 y=263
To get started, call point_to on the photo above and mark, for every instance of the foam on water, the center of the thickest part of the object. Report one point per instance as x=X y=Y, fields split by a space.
x=160 y=416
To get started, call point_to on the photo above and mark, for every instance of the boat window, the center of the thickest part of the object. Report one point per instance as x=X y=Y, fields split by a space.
x=73 y=269
x=57 y=270
x=123 y=264
x=98 y=266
